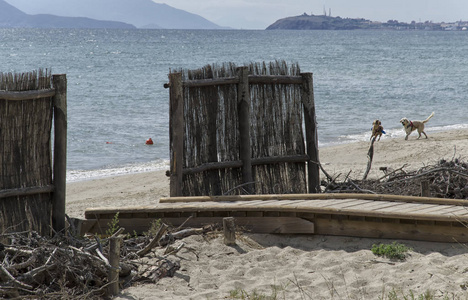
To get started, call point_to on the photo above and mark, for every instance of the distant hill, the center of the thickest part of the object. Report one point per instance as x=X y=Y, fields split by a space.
x=323 y=22
x=140 y=13
x=13 y=17
x=312 y=22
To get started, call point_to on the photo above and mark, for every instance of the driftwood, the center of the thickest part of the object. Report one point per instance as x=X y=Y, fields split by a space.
x=66 y=267
x=171 y=237
x=370 y=156
x=154 y=242
x=445 y=179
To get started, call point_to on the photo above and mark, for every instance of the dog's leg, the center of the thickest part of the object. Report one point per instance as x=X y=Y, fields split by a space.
x=424 y=134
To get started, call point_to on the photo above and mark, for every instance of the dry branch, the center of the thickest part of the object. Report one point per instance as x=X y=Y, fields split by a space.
x=154 y=242
x=67 y=267
x=446 y=179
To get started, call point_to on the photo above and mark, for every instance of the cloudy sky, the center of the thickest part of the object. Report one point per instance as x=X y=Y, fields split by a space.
x=258 y=14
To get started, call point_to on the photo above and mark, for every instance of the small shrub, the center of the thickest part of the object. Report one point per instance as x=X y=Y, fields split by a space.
x=392 y=251
x=113 y=225
x=427 y=295
x=154 y=228
x=243 y=295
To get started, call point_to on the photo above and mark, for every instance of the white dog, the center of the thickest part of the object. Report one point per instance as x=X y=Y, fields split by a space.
x=411 y=126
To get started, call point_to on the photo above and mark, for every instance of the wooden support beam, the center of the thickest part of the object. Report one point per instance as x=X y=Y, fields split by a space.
x=253 y=79
x=27 y=95
x=176 y=133
x=283 y=225
x=310 y=121
x=243 y=107
x=60 y=152
x=267 y=197
x=26 y=191
x=254 y=162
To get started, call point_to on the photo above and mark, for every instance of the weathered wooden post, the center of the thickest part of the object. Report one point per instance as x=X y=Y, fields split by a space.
x=114 y=261
x=176 y=133
x=310 y=121
x=243 y=107
x=425 y=191
x=60 y=152
x=229 y=229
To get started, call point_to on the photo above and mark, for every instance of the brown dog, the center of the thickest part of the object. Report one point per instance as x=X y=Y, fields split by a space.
x=377 y=129
x=411 y=126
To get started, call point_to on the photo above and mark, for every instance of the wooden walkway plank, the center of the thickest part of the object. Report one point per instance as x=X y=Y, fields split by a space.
x=374 y=197
x=385 y=206
x=304 y=206
x=325 y=203
x=405 y=207
x=372 y=204
x=348 y=205
x=425 y=208
x=453 y=210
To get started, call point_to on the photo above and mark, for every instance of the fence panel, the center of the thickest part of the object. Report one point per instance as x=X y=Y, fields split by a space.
x=26 y=175
x=242 y=131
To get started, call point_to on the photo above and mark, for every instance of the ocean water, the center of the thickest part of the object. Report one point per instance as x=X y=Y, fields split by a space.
x=116 y=98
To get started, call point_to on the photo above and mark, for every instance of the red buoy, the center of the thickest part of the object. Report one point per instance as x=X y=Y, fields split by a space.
x=149 y=141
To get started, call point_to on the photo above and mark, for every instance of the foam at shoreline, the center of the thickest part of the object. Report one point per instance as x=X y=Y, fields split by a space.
x=161 y=164
x=82 y=175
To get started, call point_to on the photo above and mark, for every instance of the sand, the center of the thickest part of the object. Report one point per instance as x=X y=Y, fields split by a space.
x=299 y=267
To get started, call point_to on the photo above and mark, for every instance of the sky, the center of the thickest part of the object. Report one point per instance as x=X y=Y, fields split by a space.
x=259 y=14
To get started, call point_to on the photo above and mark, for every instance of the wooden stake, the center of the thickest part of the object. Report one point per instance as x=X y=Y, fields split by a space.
x=114 y=257
x=425 y=189
x=229 y=231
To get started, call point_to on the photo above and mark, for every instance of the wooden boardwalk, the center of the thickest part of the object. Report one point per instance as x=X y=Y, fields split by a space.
x=358 y=215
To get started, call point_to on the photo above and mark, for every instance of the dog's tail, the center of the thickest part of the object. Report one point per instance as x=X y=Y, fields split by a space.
x=428 y=118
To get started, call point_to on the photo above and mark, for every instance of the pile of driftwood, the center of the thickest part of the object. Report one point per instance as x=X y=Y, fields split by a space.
x=79 y=268
x=445 y=179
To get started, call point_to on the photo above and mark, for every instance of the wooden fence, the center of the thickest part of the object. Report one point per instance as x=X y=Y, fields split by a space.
x=32 y=182
x=237 y=130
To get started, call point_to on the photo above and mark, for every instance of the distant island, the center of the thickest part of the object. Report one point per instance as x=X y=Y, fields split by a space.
x=324 y=22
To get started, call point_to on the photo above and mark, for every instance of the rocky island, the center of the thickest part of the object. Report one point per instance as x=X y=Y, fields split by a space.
x=324 y=22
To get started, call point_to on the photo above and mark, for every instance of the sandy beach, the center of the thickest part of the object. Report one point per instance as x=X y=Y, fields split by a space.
x=299 y=267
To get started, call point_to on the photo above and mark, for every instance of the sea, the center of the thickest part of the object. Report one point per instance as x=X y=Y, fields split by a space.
x=117 y=100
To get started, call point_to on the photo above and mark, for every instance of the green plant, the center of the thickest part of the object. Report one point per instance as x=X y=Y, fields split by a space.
x=392 y=251
x=154 y=227
x=113 y=225
x=427 y=295
x=242 y=294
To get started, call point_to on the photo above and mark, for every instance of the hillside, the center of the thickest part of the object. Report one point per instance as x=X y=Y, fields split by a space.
x=140 y=13
x=13 y=17
x=323 y=22
x=312 y=22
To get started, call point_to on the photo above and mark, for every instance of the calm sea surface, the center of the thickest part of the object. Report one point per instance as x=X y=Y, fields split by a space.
x=116 y=98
